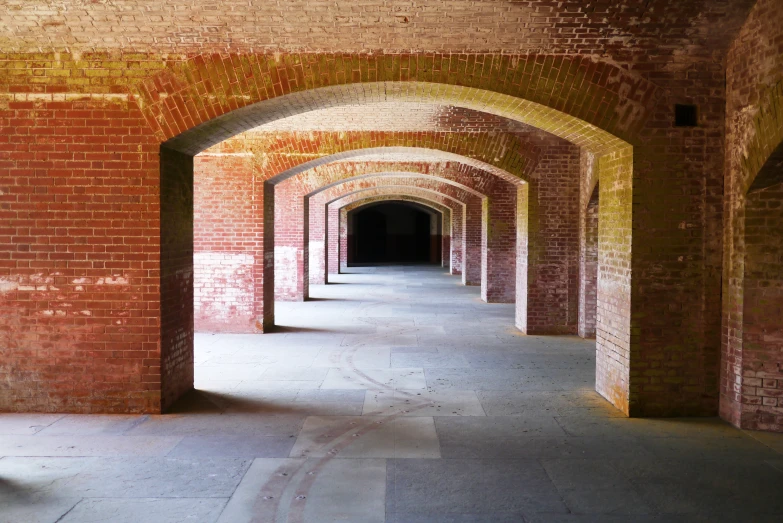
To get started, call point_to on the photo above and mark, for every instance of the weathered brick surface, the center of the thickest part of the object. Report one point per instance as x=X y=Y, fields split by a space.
x=498 y=244
x=751 y=315
x=81 y=280
x=228 y=236
x=634 y=28
x=553 y=229
x=762 y=329
x=332 y=239
x=292 y=243
x=588 y=266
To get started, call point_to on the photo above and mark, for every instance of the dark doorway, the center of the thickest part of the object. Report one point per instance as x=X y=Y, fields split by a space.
x=388 y=233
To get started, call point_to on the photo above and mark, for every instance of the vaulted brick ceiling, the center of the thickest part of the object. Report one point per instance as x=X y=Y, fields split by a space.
x=626 y=31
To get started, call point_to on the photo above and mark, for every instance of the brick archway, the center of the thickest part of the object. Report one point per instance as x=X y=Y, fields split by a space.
x=453 y=209
x=487 y=260
x=342 y=206
x=616 y=167
x=594 y=96
x=209 y=98
x=301 y=240
x=751 y=375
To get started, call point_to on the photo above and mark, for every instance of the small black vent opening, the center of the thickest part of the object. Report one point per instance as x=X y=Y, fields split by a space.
x=685 y=115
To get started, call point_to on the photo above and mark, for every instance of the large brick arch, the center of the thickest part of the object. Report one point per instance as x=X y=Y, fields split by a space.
x=279 y=157
x=208 y=98
x=748 y=396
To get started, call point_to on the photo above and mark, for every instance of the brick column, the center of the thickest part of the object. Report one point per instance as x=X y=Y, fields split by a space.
x=231 y=210
x=317 y=241
x=445 y=249
x=498 y=245
x=457 y=239
x=333 y=240
x=343 y=236
x=548 y=245
x=291 y=243
x=588 y=267
x=472 y=254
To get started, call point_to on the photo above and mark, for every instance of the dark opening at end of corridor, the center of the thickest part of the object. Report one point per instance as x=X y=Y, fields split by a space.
x=394 y=233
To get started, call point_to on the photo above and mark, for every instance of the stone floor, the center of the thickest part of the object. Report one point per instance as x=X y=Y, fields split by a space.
x=395 y=395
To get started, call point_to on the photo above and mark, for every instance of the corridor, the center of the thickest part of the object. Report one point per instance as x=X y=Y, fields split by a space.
x=395 y=394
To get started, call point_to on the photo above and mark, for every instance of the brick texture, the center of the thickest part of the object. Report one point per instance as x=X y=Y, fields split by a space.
x=751 y=360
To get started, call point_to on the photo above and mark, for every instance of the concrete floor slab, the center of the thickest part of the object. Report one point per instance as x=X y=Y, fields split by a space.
x=375 y=379
x=92 y=424
x=87 y=445
x=350 y=491
x=149 y=510
x=21 y=424
x=361 y=357
x=423 y=403
x=367 y=437
x=456 y=486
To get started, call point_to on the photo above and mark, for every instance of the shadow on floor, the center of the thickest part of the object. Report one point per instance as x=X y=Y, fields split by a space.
x=198 y=401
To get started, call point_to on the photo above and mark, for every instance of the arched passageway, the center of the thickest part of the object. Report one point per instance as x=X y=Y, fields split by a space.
x=393 y=233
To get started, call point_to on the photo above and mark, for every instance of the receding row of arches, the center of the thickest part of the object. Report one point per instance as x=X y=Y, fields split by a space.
x=574 y=190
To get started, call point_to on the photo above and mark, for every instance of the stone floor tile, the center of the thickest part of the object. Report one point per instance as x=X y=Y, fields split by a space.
x=20 y=424
x=579 y=403
x=351 y=491
x=457 y=486
x=148 y=510
x=87 y=445
x=218 y=424
x=375 y=379
x=367 y=437
x=91 y=424
x=353 y=357
x=245 y=446
x=445 y=361
x=423 y=403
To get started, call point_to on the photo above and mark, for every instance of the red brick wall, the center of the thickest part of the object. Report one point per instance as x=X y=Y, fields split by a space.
x=498 y=246
x=176 y=277
x=474 y=225
x=317 y=241
x=343 y=242
x=333 y=239
x=762 y=329
x=659 y=273
x=548 y=256
x=291 y=243
x=457 y=240
x=227 y=222
x=80 y=269
x=588 y=268
x=754 y=129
